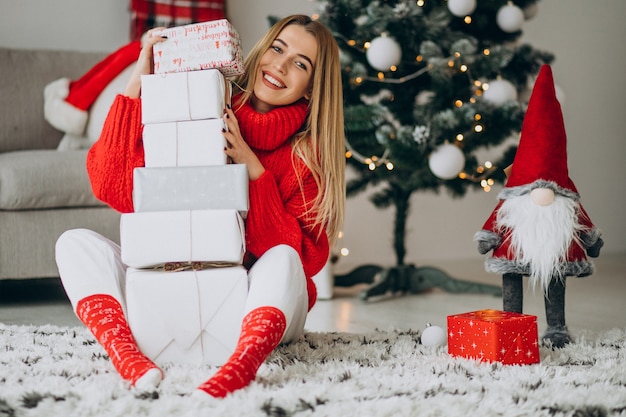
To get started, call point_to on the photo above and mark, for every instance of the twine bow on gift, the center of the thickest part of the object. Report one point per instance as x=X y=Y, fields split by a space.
x=191 y=266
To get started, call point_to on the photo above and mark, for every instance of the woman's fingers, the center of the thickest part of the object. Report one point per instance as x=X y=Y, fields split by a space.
x=237 y=148
x=144 y=61
x=231 y=122
x=152 y=36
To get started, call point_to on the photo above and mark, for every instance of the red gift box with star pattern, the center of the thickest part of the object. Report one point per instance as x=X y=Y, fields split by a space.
x=494 y=336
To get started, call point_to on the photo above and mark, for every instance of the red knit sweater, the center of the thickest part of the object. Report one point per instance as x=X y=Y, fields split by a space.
x=278 y=200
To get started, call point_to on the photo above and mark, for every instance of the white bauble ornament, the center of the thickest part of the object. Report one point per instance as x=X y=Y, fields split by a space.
x=510 y=18
x=383 y=53
x=461 y=8
x=446 y=161
x=434 y=336
x=499 y=92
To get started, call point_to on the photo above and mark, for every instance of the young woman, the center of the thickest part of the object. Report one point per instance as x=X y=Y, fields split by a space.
x=286 y=125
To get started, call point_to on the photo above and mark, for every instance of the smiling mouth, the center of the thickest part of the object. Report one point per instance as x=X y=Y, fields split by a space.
x=273 y=81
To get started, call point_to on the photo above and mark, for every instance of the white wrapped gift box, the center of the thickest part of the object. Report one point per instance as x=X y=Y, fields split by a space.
x=217 y=187
x=183 y=96
x=198 y=46
x=150 y=239
x=190 y=143
x=186 y=317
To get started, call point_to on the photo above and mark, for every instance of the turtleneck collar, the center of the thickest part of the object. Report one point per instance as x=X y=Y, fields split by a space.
x=267 y=131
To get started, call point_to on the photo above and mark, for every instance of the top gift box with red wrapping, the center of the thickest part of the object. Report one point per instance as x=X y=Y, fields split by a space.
x=208 y=45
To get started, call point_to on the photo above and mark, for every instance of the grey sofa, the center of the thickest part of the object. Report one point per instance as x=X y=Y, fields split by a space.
x=43 y=191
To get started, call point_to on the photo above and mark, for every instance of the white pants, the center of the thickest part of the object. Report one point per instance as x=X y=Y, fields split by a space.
x=91 y=264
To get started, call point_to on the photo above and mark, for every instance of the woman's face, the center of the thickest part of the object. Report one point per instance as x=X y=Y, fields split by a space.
x=285 y=69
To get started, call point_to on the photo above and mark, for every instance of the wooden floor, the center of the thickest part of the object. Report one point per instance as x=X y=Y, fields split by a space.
x=594 y=303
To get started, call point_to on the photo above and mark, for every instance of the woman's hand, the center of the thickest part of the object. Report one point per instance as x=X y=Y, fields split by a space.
x=144 y=62
x=237 y=148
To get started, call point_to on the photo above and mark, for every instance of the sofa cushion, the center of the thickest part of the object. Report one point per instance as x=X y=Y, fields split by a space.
x=42 y=179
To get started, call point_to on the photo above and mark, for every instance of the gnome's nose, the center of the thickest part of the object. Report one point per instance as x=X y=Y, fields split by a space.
x=542 y=196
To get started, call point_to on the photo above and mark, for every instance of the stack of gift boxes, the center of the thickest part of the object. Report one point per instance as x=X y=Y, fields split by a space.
x=184 y=243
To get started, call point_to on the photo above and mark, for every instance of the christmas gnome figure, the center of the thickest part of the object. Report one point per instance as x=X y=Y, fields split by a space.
x=539 y=228
x=78 y=108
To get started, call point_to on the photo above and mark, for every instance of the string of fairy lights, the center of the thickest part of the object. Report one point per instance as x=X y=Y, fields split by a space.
x=385 y=59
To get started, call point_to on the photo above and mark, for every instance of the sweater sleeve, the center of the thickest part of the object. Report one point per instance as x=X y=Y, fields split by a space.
x=112 y=159
x=278 y=216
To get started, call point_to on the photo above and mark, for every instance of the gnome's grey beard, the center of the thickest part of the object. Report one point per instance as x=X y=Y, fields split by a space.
x=540 y=235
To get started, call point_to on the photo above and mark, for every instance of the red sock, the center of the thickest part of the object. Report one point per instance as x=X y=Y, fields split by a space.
x=103 y=315
x=261 y=331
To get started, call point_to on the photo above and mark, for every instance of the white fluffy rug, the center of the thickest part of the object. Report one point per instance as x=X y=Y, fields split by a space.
x=59 y=371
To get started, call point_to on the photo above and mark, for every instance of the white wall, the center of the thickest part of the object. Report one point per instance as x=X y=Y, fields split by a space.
x=586 y=37
x=85 y=25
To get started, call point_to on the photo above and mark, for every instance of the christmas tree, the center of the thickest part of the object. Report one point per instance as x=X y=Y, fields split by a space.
x=427 y=84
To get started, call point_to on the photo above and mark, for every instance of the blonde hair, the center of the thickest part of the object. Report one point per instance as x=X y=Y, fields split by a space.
x=321 y=142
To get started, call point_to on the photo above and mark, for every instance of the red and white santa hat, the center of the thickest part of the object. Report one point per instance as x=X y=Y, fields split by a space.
x=541 y=157
x=67 y=103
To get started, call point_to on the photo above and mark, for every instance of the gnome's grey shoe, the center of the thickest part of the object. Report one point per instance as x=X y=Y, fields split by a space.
x=556 y=337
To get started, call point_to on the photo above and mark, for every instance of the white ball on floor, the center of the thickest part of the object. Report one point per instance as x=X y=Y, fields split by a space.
x=434 y=336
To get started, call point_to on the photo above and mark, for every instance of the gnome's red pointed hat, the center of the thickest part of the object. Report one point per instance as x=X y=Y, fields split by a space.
x=67 y=103
x=541 y=157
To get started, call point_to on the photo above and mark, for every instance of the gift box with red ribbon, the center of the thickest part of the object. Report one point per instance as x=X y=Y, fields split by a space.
x=494 y=336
